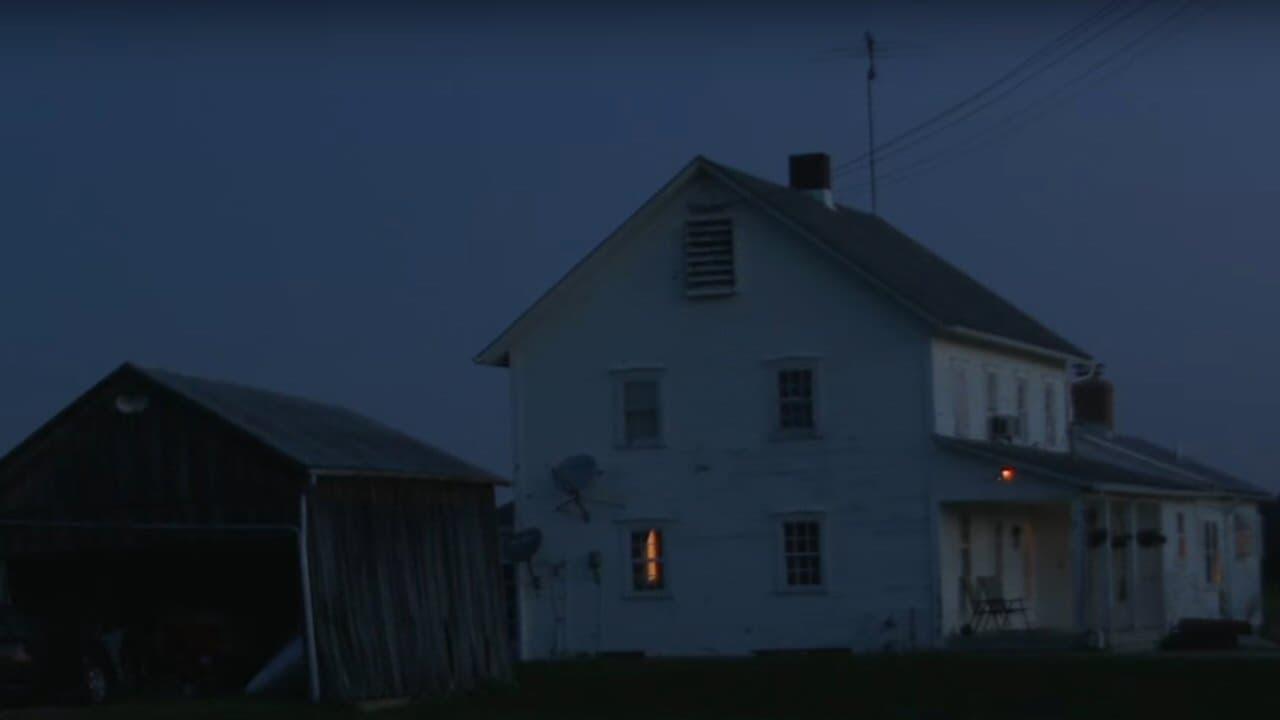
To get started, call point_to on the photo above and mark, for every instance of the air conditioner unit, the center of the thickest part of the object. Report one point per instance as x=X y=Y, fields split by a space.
x=1004 y=428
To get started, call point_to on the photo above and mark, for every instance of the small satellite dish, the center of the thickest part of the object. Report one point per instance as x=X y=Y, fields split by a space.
x=521 y=546
x=131 y=404
x=575 y=474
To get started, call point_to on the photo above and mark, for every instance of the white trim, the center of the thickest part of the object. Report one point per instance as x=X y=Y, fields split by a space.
x=780 y=521
x=1000 y=340
x=774 y=366
x=619 y=379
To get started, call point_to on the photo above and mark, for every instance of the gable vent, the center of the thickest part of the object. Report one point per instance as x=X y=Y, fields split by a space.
x=708 y=257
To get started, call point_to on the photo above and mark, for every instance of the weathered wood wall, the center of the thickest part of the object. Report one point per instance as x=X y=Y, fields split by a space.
x=407 y=588
x=171 y=463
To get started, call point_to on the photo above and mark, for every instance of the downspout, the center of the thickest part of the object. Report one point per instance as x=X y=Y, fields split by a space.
x=308 y=609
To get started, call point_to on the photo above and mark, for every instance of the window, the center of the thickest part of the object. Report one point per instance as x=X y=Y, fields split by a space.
x=966 y=560
x=1212 y=560
x=993 y=400
x=648 y=560
x=1243 y=537
x=959 y=399
x=708 y=257
x=1050 y=414
x=802 y=553
x=796 y=414
x=639 y=402
x=1020 y=400
x=1181 y=525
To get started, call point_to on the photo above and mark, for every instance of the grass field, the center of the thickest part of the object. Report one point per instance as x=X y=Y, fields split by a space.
x=926 y=686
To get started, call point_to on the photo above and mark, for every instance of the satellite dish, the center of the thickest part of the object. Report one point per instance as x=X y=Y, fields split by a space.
x=521 y=546
x=575 y=474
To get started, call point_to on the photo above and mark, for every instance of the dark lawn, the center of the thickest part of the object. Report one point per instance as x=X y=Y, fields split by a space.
x=931 y=686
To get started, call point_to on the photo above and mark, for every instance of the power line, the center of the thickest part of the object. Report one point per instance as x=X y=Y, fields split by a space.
x=1019 y=119
x=1052 y=63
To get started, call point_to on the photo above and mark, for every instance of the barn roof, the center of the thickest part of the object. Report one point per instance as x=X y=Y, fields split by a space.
x=318 y=436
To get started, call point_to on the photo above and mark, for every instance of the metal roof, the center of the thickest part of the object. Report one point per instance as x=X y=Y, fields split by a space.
x=1091 y=472
x=906 y=268
x=320 y=437
x=1151 y=457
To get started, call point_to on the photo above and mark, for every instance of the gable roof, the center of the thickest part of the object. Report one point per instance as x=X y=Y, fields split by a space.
x=1094 y=473
x=321 y=438
x=909 y=272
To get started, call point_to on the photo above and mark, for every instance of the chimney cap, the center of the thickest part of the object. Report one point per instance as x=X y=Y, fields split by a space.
x=810 y=171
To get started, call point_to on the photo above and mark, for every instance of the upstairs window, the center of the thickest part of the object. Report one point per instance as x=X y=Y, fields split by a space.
x=796 y=412
x=639 y=401
x=993 y=401
x=1050 y=414
x=708 y=257
x=1020 y=402
x=802 y=565
x=648 y=560
x=1181 y=525
x=959 y=399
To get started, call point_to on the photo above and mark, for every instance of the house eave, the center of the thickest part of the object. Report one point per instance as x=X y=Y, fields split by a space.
x=967 y=333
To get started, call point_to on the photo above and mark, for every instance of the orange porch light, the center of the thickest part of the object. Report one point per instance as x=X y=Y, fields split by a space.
x=1008 y=474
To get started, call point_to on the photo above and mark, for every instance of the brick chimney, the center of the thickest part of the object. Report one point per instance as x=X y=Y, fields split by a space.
x=811 y=172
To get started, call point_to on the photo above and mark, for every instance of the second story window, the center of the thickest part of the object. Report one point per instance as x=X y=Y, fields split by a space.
x=796 y=392
x=993 y=401
x=639 y=402
x=1020 y=402
x=1180 y=524
x=1050 y=414
x=959 y=399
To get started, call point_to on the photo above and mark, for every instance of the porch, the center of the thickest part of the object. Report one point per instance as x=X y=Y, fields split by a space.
x=1089 y=568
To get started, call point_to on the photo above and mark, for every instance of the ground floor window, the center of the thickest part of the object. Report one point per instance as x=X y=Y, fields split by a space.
x=648 y=560
x=802 y=553
x=1212 y=558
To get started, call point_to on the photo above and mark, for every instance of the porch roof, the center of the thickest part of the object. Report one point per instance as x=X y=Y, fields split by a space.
x=1088 y=473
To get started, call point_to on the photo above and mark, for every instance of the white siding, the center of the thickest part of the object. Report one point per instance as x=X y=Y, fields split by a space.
x=976 y=363
x=721 y=481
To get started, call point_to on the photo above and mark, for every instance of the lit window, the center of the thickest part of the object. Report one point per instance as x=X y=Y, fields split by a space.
x=802 y=553
x=1212 y=559
x=639 y=423
x=648 y=560
x=795 y=400
x=1244 y=538
x=1050 y=415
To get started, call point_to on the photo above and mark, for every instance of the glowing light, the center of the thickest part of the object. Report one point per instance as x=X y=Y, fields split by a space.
x=653 y=559
x=1008 y=474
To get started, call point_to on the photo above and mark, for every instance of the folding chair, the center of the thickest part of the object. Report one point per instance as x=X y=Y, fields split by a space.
x=999 y=606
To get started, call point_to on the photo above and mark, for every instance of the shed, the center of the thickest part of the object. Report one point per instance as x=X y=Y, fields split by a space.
x=156 y=490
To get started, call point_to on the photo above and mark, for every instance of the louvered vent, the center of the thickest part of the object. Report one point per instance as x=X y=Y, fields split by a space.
x=708 y=257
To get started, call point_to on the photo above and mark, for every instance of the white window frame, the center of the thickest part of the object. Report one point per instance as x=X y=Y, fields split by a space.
x=961 y=412
x=620 y=379
x=1022 y=406
x=629 y=590
x=1052 y=402
x=775 y=368
x=824 y=552
x=990 y=398
x=1212 y=541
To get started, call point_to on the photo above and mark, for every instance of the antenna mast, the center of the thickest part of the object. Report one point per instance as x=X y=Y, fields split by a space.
x=871 y=119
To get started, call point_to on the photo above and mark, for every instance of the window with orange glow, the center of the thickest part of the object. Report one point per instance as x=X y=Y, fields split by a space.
x=648 y=561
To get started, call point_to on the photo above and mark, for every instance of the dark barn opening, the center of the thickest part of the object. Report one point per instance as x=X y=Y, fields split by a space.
x=166 y=513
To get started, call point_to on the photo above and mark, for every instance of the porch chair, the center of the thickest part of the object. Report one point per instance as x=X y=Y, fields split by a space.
x=999 y=607
x=979 y=609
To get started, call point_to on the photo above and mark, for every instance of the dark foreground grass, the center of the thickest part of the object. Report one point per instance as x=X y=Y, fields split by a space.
x=926 y=686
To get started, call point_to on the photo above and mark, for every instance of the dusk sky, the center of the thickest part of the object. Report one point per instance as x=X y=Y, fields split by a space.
x=349 y=204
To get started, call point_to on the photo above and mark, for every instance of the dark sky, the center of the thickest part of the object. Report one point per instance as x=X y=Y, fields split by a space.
x=348 y=204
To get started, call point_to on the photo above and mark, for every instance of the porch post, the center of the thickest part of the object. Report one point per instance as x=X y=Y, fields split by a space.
x=1135 y=584
x=1079 y=563
x=1108 y=571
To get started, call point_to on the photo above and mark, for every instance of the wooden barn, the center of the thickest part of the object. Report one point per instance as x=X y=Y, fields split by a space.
x=157 y=496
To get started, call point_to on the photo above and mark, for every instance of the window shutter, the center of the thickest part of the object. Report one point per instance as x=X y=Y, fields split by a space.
x=708 y=258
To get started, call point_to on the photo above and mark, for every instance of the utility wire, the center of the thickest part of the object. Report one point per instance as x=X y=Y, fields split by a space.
x=981 y=92
x=919 y=139
x=1135 y=48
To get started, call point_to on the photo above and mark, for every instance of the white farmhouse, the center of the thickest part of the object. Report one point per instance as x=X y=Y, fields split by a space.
x=811 y=432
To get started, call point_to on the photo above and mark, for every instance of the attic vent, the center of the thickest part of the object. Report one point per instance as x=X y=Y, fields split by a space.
x=708 y=257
